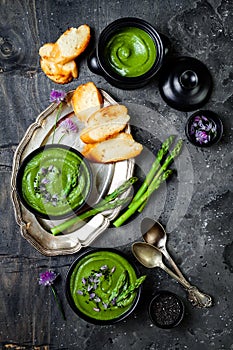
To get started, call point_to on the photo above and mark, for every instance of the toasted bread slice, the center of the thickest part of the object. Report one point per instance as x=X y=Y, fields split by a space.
x=71 y=44
x=45 y=51
x=107 y=114
x=60 y=79
x=86 y=100
x=59 y=73
x=120 y=147
x=105 y=123
x=53 y=69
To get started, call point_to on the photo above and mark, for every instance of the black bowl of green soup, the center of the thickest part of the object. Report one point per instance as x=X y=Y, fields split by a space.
x=54 y=181
x=102 y=286
x=129 y=53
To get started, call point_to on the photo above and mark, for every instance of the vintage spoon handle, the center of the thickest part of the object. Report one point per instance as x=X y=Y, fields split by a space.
x=196 y=297
x=173 y=275
x=172 y=262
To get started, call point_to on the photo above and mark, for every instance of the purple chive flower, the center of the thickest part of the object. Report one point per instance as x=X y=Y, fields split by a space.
x=42 y=188
x=113 y=269
x=98 y=274
x=68 y=126
x=202 y=129
x=97 y=299
x=105 y=305
x=45 y=181
x=114 y=301
x=89 y=288
x=57 y=95
x=79 y=292
x=96 y=309
x=44 y=171
x=47 y=278
x=202 y=137
x=92 y=295
x=50 y=168
x=84 y=281
x=104 y=267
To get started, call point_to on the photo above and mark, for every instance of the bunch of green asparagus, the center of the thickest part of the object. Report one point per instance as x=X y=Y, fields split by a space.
x=156 y=176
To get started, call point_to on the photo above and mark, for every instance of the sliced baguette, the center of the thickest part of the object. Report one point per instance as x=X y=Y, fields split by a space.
x=86 y=100
x=59 y=73
x=105 y=123
x=120 y=147
x=45 y=51
x=71 y=44
x=60 y=79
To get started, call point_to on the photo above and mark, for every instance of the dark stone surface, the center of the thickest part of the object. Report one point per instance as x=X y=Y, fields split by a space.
x=195 y=206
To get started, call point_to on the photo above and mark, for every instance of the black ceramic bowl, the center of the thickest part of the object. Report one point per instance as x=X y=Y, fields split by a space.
x=98 y=63
x=92 y=306
x=204 y=128
x=57 y=174
x=166 y=310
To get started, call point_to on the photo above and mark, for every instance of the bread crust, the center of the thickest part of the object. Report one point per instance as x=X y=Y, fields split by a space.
x=104 y=123
x=86 y=99
x=57 y=59
x=118 y=148
x=71 y=44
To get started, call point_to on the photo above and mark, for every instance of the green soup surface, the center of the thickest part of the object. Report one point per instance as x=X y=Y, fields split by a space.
x=99 y=285
x=55 y=181
x=130 y=52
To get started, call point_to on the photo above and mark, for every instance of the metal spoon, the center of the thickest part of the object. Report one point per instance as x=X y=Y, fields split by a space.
x=154 y=233
x=150 y=256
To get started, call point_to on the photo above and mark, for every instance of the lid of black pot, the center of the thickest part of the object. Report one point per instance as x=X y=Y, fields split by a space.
x=185 y=83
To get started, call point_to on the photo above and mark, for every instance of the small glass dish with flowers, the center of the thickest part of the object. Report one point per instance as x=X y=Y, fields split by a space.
x=204 y=128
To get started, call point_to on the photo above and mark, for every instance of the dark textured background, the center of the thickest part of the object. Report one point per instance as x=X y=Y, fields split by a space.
x=202 y=241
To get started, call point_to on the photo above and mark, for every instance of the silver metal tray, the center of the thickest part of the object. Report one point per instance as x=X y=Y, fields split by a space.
x=107 y=177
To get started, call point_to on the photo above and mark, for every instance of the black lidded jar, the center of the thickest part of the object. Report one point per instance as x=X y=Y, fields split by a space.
x=98 y=63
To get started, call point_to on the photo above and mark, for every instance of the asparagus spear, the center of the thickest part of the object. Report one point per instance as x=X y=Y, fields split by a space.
x=125 y=294
x=174 y=153
x=119 y=285
x=98 y=209
x=153 y=186
x=154 y=168
x=159 y=178
x=106 y=204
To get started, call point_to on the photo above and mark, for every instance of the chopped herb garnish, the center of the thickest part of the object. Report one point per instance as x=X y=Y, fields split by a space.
x=123 y=290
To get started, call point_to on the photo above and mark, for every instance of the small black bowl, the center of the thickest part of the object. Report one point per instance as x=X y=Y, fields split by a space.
x=204 y=128
x=64 y=151
x=98 y=63
x=166 y=310
x=81 y=261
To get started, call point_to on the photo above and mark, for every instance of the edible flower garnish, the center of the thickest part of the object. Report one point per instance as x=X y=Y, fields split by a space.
x=46 y=279
x=68 y=127
x=57 y=96
x=122 y=294
x=202 y=129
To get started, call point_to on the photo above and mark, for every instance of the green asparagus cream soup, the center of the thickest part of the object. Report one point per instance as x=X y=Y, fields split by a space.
x=131 y=52
x=55 y=181
x=103 y=285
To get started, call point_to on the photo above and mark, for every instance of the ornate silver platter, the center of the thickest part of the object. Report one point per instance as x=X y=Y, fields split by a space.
x=106 y=178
